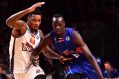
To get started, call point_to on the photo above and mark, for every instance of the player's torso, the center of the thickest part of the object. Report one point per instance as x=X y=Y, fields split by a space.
x=64 y=45
x=22 y=48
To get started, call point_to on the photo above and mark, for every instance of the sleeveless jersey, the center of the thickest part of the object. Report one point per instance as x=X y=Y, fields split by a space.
x=20 y=50
x=66 y=47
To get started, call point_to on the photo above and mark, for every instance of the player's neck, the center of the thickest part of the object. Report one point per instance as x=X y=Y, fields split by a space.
x=62 y=34
x=33 y=31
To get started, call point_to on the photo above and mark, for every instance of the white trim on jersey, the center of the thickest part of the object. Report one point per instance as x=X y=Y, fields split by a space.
x=23 y=49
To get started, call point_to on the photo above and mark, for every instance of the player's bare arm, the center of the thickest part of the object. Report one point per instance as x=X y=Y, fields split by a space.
x=41 y=46
x=14 y=20
x=41 y=35
x=46 y=41
x=79 y=42
x=48 y=52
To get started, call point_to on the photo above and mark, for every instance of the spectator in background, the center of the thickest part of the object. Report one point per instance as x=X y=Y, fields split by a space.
x=109 y=71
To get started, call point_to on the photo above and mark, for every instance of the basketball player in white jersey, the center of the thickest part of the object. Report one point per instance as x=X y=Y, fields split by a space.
x=24 y=38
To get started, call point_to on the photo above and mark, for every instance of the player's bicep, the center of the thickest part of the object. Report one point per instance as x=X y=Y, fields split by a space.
x=46 y=41
x=80 y=43
x=78 y=40
x=19 y=24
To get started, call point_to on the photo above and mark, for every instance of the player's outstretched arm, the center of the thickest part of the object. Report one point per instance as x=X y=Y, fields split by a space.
x=14 y=20
x=79 y=42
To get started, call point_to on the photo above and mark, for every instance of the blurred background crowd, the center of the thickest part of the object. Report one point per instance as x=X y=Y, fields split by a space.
x=96 y=20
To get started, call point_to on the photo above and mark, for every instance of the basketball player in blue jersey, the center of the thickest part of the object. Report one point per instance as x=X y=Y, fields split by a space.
x=24 y=38
x=69 y=43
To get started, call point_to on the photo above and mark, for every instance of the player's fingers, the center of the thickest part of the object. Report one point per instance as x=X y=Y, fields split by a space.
x=40 y=4
x=35 y=63
x=61 y=61
x=65 y=59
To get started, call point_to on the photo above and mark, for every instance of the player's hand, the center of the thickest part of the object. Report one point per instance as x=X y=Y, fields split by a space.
x=34 y=60
x=36 y=5
x=63 y=59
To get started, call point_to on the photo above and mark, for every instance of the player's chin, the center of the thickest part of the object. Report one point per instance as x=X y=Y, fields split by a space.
x=58 y=33
x=35 y=28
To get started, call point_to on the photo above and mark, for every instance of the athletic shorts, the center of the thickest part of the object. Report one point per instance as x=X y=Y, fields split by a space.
x=31 y=73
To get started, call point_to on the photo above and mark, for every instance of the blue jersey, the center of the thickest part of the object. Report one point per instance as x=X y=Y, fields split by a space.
x=66 y=47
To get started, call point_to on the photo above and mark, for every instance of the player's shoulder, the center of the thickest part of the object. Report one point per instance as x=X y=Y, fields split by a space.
x=19 y=28
x=75 y=31
x=18 y=32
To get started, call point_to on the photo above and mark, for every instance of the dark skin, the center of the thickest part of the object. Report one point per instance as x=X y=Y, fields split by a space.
x=33 y=22
x=20 y=26
x=59 y=29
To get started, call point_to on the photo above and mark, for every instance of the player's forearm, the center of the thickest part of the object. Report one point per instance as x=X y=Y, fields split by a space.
x=17 y=16
x=96 y=67
x=37 y=51
x=93 y=61
x=51 y=54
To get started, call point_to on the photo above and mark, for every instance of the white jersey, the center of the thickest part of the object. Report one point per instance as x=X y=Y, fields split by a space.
x=22 y=48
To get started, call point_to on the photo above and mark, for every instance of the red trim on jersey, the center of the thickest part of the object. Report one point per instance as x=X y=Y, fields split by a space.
x=32 y=40
x=78 y=49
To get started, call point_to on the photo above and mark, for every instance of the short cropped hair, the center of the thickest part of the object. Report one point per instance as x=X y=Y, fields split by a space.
x=58 y=16
x=36 y=11
x=107 y=62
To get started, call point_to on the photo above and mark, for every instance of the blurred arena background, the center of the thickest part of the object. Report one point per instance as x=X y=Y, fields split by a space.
x=96 y=20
